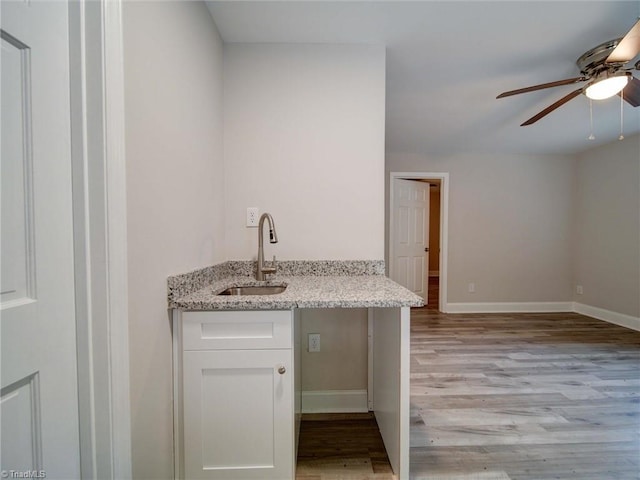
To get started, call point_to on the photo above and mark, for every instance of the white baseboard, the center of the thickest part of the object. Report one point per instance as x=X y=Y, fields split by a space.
x=608 y=316
x=334 y=401
x=616 y=318
x=509 y=307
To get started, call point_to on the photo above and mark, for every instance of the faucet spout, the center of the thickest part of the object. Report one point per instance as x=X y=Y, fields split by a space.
x=262 y=269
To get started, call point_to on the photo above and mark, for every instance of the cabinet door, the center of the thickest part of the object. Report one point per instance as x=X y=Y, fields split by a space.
x=238 y=414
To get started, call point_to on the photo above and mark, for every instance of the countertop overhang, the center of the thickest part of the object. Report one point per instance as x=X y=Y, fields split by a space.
x=310 y=284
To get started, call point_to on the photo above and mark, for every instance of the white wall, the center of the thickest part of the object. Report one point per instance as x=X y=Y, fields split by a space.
x=509 y=224
x=304 y=140
x=341 y=363
x=173 y=81
x=607 y=227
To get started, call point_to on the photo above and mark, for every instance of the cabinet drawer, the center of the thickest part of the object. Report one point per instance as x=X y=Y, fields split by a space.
x=254 y=329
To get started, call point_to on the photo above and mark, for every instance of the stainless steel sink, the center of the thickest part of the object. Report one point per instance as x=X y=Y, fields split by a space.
x=254 y=290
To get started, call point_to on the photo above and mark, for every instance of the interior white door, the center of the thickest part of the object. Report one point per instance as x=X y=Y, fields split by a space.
x=410 y=235
x=38 y=409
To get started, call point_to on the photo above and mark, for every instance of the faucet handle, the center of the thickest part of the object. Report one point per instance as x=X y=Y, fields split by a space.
x=270 y=270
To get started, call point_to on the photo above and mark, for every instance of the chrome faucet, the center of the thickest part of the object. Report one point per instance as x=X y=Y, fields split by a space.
x=273 y=238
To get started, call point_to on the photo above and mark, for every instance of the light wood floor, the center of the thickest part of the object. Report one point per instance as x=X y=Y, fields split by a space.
x=527 y=396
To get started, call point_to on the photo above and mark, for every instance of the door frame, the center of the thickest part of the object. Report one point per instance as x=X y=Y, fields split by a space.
x=444 y=224
x=100 y=237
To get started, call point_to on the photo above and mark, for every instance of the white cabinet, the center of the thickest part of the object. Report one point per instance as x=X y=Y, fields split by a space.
x=236 y=395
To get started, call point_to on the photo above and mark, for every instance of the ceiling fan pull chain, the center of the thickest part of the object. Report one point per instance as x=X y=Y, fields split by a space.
x=591 y=136
x=621 y=137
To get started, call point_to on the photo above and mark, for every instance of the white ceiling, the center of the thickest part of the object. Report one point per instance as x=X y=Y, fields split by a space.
x=447 y=61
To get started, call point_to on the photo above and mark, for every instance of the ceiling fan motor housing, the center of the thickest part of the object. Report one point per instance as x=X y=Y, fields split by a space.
x=593 y=62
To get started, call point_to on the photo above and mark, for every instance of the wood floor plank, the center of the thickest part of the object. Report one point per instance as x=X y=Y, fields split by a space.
x=533 y=396
x=341 y=446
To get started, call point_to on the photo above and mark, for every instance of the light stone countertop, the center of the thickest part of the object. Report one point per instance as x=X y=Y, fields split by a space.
x=327 y=284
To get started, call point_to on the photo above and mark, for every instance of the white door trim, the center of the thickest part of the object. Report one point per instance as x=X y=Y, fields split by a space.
x=100 y=242
x=444 y=224
x=117 y=238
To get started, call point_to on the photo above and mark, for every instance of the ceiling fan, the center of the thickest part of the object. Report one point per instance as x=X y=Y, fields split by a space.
x=603 y=68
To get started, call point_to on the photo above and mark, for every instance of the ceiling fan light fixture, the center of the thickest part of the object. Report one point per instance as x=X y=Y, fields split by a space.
x=607 y=87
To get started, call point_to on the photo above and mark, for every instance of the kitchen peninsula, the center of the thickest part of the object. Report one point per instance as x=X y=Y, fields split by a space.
x=236 y=363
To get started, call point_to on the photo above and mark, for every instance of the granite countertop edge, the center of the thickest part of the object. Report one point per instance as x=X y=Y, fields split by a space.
x=310 y=284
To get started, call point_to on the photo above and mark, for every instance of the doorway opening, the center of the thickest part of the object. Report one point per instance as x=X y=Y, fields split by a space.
x=436 y=274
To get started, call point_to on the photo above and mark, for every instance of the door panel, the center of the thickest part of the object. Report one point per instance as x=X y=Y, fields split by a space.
x=38 y=410
x=18 y=282
x=411 y=235
x=21 y=412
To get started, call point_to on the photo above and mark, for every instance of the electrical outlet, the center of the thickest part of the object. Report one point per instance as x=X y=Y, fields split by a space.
x=314 y=342
x=579 y=290
x=252 y=216
x=472 y=287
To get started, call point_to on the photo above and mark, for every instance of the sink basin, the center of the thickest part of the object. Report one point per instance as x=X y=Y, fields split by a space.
x=254 y=290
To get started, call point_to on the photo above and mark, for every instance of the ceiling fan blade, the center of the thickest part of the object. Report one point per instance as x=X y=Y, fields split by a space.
x=628 y=47
x=542 y=86
x=631 y=93
x=551 y=108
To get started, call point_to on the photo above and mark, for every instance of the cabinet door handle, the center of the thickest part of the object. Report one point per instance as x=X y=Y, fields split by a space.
x=281 y=369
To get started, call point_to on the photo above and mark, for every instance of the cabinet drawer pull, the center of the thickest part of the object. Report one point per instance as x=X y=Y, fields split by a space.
x=281 y=370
